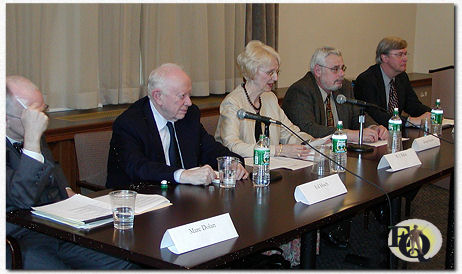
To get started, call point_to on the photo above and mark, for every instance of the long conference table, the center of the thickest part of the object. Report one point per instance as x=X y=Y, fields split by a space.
x=263 y=217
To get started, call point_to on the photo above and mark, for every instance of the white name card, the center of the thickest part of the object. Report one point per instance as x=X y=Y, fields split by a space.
x=399 y=160
x=425 y=142
x=202 y=233
x=320 y=190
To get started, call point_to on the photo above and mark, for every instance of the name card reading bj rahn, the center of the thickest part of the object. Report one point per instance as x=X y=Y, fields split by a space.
x=199 y=234
x=425 y=142
x=320 y=190
x=399 y=160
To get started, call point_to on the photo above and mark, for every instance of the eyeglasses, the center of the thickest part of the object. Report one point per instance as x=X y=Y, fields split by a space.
x=401 y=54
x=272 y=73
x=336 y=68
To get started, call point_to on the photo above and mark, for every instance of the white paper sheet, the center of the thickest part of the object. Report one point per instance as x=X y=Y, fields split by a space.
x=283 y=162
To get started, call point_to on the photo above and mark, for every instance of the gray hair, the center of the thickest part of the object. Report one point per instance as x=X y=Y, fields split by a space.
x=320 y=55
x=386 y=45
x=255 y=55
x=157 y=77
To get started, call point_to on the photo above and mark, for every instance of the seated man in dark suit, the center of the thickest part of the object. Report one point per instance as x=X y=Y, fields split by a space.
x=310 y=103
x=386 y=84
x=33 y=178
x=160 y=137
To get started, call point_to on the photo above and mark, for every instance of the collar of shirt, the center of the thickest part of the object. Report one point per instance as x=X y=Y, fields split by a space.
x=324 y=95
x=12 y=141
x=161 y=122
x=386 y=81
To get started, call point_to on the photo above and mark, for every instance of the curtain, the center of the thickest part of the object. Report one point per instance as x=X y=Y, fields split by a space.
x=53 y=45
x=85 y=55
x=119 y=59
x=203 y=38
x=262 y=23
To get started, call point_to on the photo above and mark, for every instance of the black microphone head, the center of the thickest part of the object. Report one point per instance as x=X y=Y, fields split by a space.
x=341 y=99
x=241 y=114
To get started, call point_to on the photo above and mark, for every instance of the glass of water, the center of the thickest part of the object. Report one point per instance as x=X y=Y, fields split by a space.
x=123 y=208
x=227 y=166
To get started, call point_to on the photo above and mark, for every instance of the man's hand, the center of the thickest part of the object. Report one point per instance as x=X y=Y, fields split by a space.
x=416 y=120
x=241 y=172
x=70 y=192
x=382 y=131
x=198 y=176
x=369 y=135
x=35 y=123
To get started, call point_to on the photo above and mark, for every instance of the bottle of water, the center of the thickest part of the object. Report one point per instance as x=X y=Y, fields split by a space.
x=437 y=118
x=339 y=152
x=261 y=162
x=394 y=133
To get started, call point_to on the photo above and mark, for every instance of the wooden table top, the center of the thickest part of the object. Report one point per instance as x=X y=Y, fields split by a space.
x=263 y=217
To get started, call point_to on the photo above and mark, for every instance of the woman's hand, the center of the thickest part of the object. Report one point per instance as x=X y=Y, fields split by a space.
x=294 y=151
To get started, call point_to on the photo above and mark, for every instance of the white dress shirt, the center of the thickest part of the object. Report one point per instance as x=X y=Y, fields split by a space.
x=164 y=134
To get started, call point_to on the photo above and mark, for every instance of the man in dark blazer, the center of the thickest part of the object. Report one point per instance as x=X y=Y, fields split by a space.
x=33 y=178
x=374 y=85
x=305 y=102
x=142 y=139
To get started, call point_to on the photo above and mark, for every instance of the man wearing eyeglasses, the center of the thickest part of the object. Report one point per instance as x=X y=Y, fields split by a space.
x=310 y=103
x=33 y=178
x=386 y=84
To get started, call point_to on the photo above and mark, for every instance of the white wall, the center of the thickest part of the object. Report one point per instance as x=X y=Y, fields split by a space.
x=356 y=30
x=434 y=37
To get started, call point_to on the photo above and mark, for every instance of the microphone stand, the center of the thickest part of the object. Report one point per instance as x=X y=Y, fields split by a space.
x=274 y=175
x=267 y=124
x=360 y=147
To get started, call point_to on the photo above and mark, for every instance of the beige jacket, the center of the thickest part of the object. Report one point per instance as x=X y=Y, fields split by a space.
x=239 y=135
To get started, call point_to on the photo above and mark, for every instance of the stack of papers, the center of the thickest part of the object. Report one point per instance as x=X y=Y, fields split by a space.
x=85 y=213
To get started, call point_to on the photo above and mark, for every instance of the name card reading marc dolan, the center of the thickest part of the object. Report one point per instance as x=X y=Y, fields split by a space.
x=199 y=234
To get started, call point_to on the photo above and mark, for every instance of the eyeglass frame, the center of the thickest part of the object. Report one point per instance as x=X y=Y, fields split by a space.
x=401 y=54
x=272 y=73
x=336 y=68
x=45 y=109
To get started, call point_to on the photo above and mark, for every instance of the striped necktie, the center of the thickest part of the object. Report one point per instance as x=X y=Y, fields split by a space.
x=329 y=115
x=393 y=97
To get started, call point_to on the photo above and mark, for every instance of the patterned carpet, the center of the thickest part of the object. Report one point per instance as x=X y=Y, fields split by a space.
x=430 y=204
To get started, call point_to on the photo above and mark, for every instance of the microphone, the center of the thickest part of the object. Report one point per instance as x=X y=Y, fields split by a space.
x=242 y=114
x=341 y=99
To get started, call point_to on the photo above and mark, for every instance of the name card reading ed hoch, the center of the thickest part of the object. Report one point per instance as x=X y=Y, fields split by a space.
x=399 y=160
x=320 y=190
x=425 y=142
x=199 y=234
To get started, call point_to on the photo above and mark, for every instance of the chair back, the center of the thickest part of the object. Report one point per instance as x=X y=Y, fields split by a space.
x=92 y=150
x=210 y=123
x=443 y=88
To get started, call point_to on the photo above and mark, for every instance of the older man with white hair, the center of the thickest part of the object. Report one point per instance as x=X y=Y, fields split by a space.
x=160 y=137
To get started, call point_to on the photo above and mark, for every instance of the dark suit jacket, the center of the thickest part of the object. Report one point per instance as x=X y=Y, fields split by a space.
x=136 y=154
x=369 y=87
x=31 y=183
x=304 y=106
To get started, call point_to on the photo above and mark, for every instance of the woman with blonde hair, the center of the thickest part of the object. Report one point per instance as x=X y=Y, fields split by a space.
x=259 y=65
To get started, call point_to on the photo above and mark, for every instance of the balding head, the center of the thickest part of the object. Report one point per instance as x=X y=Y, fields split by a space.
x=23 y=89
x=169 y=88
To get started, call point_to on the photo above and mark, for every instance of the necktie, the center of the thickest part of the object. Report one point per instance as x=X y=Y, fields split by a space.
x=18 y=146
x=173 y=148
x=393 y=97
x=330 y=116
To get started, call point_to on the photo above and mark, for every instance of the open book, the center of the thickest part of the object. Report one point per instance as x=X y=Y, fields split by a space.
x=86 y=213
